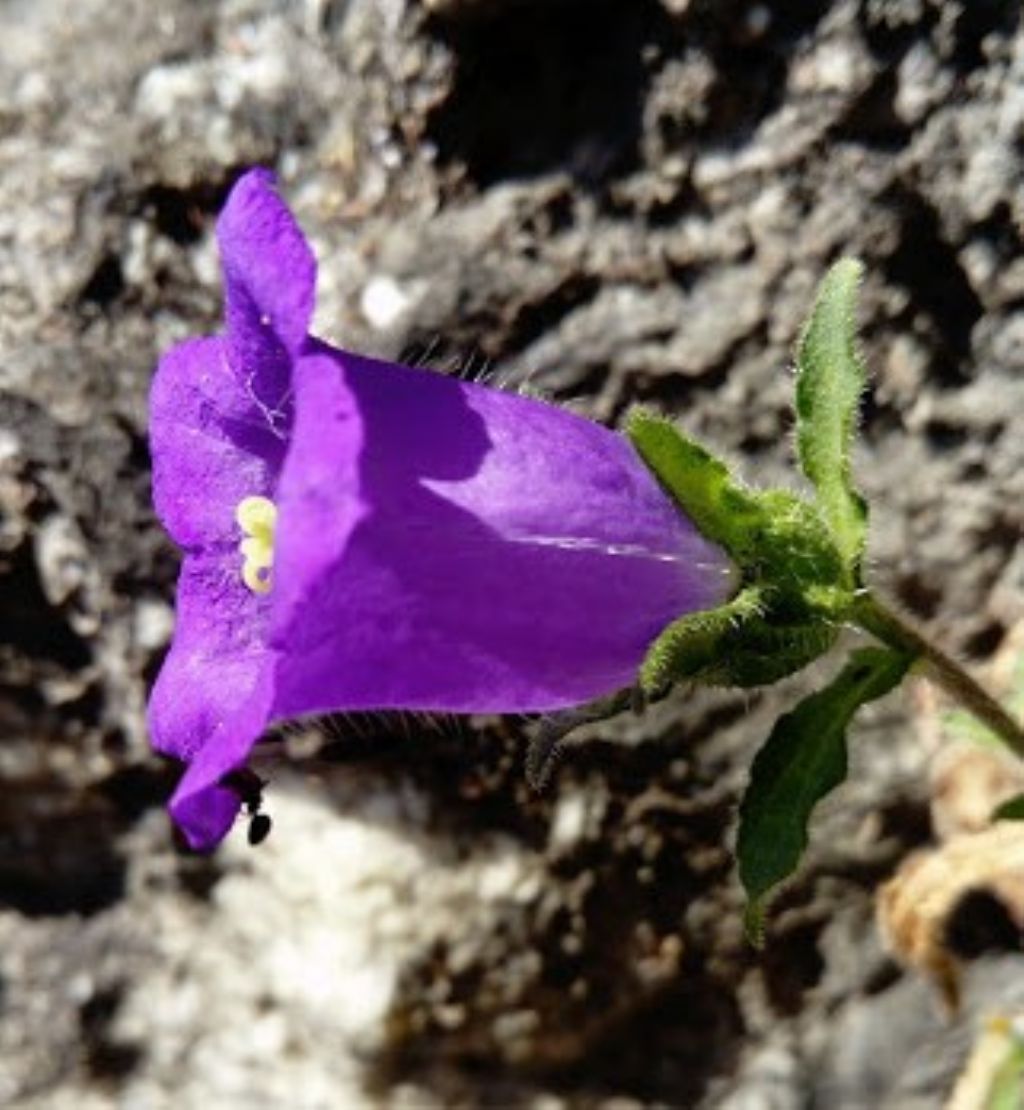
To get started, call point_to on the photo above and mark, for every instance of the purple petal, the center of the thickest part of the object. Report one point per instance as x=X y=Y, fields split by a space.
x=212 y=698
x=205 y=816
x=320 y=486
x=512 y=557
x=209 y=443
x=269 y=279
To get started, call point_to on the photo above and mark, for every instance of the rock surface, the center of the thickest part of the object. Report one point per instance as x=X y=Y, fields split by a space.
x=613 y=201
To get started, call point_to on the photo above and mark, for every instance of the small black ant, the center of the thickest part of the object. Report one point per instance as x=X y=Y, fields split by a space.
x=249 y=788
x=260 y=825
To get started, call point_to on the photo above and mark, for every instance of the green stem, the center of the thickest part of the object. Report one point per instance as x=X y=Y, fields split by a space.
x=874 y=617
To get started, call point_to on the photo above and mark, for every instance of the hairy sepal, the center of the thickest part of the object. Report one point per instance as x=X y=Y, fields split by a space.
x=701 y=485
x=829 y=384
x=793 y=592
x=741 y=643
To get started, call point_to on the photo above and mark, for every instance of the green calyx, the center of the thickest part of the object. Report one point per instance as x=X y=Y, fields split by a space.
x=792 y=594
x=799 y=561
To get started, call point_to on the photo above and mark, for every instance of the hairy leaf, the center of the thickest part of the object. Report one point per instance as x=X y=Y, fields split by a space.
x=830 y=380
x=803 y=759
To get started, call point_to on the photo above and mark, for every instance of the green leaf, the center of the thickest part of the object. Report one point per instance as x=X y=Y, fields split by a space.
x=701 y=485
x=1010 y=810
x=803 y=759
x=830 y=381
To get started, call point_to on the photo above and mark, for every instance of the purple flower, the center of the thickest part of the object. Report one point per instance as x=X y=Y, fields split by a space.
x=361 y=535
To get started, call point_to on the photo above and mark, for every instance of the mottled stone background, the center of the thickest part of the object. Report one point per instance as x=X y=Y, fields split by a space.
x=619 y=200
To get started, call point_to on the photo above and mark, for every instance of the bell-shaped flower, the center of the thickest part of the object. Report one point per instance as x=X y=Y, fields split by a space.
x=359 y=535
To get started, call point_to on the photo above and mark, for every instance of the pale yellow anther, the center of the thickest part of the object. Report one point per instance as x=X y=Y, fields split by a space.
x=258 y=550
x=256 y=578
x=257 y=517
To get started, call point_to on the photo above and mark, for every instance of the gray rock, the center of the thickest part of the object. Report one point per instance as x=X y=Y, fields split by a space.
x=604 y=202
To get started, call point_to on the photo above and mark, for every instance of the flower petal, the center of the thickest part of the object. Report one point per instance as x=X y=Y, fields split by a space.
x=210 y=445
x=213 y=695
x=205 y=816
x=511 y=557
x=269 y=279
x=319 y=498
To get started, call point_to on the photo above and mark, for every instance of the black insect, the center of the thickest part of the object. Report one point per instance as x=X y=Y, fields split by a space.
x=259 y=827
x=249 y=788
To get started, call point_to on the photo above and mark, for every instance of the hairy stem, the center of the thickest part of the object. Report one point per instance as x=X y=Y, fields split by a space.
x=545 y=744
x=887 y=626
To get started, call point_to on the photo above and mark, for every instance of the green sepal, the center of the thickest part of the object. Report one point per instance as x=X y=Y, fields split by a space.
x=830 y=381
x=721 y=508
x=768 y=650
x=802 y=760
x=775 y=538
x=741 y=643
x=792 y=591
x=789 y=549
x=692 y=647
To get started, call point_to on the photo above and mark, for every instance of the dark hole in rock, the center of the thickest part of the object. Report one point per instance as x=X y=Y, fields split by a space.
x=886 y=975
x=537 y=319
x=151 y=667
x=983 y=643
x=751 y=64
x=29 y=623
x=927 y=266
x=182 y=213
x=890 y=33
x=359 y=737
x=977 y=20
x=999 y=231
x=197 y=875
x=792 y=965
x=872 y=118
x=106 y=1056
x=980 y=923
x=945 y=436
x=542 y=87
x=58 y=852
x=105 y=284
x=905 y=821
x=134 y=790
x=1002 y=533
x=664 y=1048
x=919 y=596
